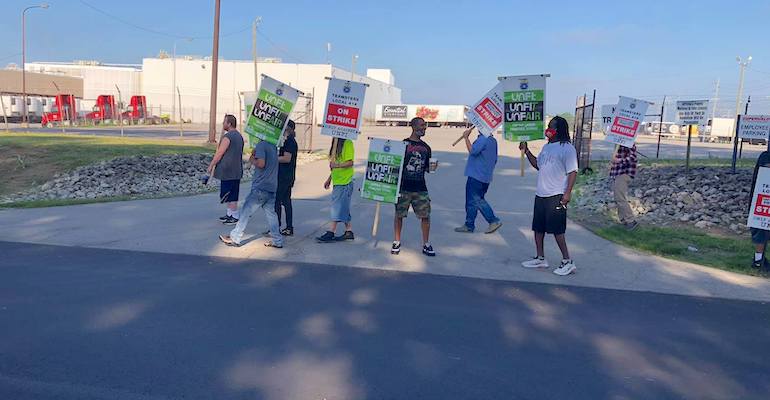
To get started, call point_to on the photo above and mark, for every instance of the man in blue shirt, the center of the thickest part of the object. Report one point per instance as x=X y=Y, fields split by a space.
x=482 y=157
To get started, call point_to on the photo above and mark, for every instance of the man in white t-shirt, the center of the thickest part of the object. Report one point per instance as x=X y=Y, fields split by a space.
x=556 y=167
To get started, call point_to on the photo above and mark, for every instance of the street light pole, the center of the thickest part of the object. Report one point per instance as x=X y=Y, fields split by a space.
x=254 y=51
x=743 y=65
x=353 y=67
x=25 y=113
x=173 y=80
x=214 y=69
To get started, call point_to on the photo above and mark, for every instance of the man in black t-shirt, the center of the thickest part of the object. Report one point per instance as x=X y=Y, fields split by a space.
x=413 y=190
x=287 y=168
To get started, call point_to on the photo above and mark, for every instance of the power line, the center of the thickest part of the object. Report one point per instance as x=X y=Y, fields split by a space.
x=280 y=49
x=153 y=31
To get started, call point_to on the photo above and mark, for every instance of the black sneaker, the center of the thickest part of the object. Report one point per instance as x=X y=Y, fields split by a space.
x=224 y=217
x=396 y=248
x=757 y=264
x=348 y=235
x=327 y=237
x=287 y=232
x=230 y=221
x=428 y=250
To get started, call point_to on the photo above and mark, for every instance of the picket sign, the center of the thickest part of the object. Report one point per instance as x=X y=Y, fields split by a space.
x=382 y=177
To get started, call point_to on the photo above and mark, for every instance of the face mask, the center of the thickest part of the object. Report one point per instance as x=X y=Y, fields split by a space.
x=550 y=133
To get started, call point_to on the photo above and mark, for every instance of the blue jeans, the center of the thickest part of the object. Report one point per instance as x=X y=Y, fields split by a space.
x=475 y=202
x=340 y=210
x=265 y=200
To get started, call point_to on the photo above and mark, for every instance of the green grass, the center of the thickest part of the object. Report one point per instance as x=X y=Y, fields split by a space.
x=30 y=159
x=731 y=253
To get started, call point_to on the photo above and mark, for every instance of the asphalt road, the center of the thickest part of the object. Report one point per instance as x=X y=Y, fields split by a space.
x=81 y=323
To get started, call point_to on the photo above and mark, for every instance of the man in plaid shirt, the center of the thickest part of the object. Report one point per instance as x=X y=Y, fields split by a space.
x=622 y=171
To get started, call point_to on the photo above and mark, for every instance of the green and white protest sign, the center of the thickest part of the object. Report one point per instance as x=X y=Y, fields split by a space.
x=524 y=107
x=383 y=170
x=270 y=113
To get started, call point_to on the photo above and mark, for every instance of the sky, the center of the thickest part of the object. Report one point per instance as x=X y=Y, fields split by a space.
x=441 y=52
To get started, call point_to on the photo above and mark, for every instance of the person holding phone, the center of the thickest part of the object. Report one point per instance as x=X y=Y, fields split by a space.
x=556 y=167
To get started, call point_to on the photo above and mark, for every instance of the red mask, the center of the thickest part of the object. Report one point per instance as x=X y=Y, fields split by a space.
x=550 y=133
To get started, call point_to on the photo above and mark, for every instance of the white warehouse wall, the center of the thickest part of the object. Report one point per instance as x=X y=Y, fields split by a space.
x=97 y=79
x=193 y=77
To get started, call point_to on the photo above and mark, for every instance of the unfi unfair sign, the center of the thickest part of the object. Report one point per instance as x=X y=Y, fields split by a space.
x=270 y=113
x=754 y=127
x=759 y=215
x=524 y=107
x=487 y=114
x=344 y=100
x=626 y=119
x=383 y=170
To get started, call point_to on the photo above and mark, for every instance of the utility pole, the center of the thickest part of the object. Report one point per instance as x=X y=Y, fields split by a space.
x=25 y=113
x=328 y=52
x=214 y=68
x=353 y=67
x=743 y=65
x=716 y=100
x=254 y=52
x=120 y=109
x=173 y=80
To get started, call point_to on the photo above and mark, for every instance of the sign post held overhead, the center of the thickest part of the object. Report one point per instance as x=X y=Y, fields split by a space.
x=523 y=109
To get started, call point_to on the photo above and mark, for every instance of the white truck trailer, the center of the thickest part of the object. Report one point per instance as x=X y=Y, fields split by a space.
x=434 y=115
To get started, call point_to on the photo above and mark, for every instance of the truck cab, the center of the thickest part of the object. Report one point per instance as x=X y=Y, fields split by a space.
x=103 y=111
x=136 y=111
x=63 y=111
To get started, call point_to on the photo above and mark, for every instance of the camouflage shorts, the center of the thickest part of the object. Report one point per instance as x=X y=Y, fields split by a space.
x=420 y=202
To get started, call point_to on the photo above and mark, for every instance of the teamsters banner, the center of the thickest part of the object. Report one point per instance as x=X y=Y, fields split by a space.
x=626 y=119
x=270 y=113
x=487 y=114
x=524 y=107
x=383 y=170
x=344 y=100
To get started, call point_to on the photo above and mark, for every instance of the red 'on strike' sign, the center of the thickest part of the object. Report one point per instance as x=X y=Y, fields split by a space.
x=489 y=112
x=762 y=208
x=342 y=115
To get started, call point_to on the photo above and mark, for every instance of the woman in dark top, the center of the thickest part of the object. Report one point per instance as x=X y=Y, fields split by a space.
x=287 y=168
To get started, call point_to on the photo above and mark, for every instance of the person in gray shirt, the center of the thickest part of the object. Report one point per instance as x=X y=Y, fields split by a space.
x=263 y=186
x=227 y=166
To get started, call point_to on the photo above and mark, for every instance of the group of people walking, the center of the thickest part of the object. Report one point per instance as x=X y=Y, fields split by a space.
x=275 y=170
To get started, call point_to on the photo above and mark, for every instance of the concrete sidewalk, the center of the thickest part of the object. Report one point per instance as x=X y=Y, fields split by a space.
x=189 y=225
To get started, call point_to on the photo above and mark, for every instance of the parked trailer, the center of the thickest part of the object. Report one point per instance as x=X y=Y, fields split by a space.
x=721 y=130
x=434 y=115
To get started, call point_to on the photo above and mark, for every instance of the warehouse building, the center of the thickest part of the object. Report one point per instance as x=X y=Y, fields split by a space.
x=155 y=79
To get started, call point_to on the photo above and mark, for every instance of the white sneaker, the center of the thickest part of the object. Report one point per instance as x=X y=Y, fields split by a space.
x=535 y=262
x=566 y=268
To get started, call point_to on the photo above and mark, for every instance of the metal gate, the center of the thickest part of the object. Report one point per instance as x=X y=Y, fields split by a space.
x=584 y=122
x=302 y=115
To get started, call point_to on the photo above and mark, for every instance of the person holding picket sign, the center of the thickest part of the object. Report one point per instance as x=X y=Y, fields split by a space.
x=341 y=156
x=482 y=158
x=556 y=167
x=759 y=237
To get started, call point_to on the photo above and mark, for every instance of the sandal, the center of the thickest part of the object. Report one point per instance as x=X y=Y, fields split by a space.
x=273 y=245
x=226 y=239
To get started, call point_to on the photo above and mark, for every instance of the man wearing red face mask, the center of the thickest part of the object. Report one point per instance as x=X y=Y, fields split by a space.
x=556 y=167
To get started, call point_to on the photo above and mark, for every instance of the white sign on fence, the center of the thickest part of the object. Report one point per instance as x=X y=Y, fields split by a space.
x=607 y=111
x=759 y=215
x=692 y=112
x=754 y=127
x=344 y=101
x=626 y=119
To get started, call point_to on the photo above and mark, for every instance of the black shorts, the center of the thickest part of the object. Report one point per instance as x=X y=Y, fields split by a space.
x=229 y=190
x=547 y=218
x=759 y=236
